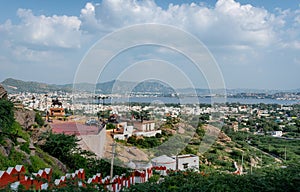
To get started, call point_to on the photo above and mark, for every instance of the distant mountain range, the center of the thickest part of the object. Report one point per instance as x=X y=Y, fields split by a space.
x=121 y=87
x=16 y=86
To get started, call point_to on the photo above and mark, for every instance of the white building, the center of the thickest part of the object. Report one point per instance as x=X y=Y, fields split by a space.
x=180 y=162
x=188 y=161
x=145 y=126
x=125 y=131
x=145 y=129
x=276 y=133
x=165 y=161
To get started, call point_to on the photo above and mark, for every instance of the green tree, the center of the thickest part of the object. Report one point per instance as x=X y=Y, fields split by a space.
x=60 y=145
x=39 y=120
x=6 y=115
x=110 y=126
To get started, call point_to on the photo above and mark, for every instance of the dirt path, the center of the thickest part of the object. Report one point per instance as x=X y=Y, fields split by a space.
x=122 y=152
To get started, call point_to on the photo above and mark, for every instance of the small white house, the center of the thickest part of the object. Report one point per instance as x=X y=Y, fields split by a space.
x=145 y=129
x=145 y=126
x=125 y=131
x=276 y=133
x=188 y=161
x=164 y=161
x=180 y=162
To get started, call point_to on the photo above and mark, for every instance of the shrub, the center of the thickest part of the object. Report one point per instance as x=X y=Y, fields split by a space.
x=25 y=147
x=110 y=126
x=39 y=120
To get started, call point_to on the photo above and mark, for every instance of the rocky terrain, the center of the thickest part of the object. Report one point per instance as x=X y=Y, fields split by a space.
x=3 y=92
x=20 y=144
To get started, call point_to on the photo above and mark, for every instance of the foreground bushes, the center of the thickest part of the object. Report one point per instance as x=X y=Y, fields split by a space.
x=276 y=179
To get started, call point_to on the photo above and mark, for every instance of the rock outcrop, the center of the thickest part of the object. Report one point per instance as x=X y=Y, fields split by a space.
x=3 y=92
x=6 y=147
x=25 y=118
x=215 y=132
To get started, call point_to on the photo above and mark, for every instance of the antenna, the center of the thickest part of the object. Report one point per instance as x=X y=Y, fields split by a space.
x=112 y=160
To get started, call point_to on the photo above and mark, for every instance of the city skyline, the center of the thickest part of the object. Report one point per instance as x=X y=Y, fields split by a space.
x=255 y=43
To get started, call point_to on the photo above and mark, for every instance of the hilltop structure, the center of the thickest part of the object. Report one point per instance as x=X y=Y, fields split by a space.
x=56 y=109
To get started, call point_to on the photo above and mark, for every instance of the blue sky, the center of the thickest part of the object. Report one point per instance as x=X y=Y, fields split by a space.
x=255 y=43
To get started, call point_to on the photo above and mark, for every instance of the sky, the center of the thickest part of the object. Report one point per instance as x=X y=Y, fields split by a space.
x=255 y=44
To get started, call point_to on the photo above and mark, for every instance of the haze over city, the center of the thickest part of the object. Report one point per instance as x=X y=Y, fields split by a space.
x=255 y=43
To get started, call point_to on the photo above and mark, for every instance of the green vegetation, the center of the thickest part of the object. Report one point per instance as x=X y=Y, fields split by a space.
x=103 y=114
x=19 y=153
x=9 y=128
x=7 y=115
x=60 y=145
x=39 y=120
x=145 y=142
x=33 y=87
x=25 y=147
x=281 y=148
x=110 y=126
x=268 y=179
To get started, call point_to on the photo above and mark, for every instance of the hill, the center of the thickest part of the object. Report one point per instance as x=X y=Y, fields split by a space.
x=15 y=86
x=17 y=143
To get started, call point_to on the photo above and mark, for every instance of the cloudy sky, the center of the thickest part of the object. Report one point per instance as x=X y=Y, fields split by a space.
x=255 y=43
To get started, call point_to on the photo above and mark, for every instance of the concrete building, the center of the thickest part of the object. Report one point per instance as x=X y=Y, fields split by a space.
x=179 y=162
x=123 y=131
x=165 y=161
x=145 y=129
x=188 y=161
x=144 y=126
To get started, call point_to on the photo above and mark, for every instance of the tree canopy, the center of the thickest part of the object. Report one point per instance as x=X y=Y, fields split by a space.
x=6 y=115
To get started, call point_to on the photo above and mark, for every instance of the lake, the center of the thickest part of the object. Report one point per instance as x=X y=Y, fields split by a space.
x=195 y=100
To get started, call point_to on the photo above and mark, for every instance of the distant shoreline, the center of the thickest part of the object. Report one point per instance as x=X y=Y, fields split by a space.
x=196 y=100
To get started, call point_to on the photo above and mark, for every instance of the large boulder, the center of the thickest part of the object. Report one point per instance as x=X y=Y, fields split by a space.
x=25 y=118
x=3 y=92
x=6 y=147
x=3 y=151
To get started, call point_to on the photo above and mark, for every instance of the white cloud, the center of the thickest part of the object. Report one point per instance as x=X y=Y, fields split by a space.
x=228 y=22
x=52 y=31
x=241 y=34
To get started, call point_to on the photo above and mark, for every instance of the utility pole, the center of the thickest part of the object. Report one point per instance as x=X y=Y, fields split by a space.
x=112 y=160
x=176 y=162
x=46 y=102
x=285 y=153
x=251 y=167
x=242 y=162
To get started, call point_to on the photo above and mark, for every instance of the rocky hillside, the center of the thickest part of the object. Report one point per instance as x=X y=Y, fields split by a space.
x=18 y=139
x=3 y=92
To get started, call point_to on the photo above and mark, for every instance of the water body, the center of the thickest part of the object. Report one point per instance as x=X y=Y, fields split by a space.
x=195 y=100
